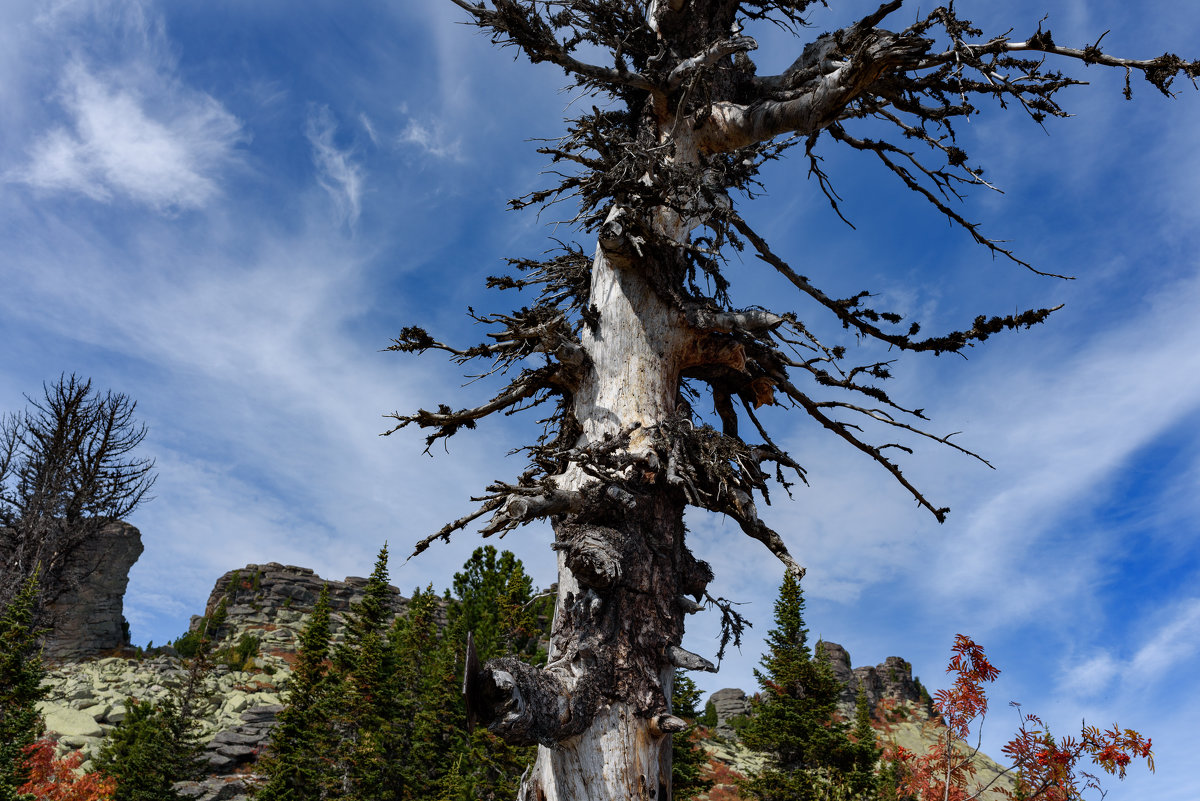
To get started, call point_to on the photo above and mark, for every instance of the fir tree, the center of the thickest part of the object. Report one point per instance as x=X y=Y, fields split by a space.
x=709 y=718
x=157 y=744
x=863 y=780
x=688 y=757
x=427 y=684
x=384 y=719
x=811 y=756
x=21 y=676
x=494 y=597
x=497 y=605
x=150 y=750
x=297 y=762
x=368 y=755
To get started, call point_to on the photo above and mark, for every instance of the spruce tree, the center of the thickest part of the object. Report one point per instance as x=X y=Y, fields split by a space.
x=496 y=603
x=150 y=750
x=297 y=764
x=427 y=685
x=157 y=744
x=863 y=780
x=21 y=676
x=368 y=755
x=494 y=599
x=688 y=757
x=794 y=720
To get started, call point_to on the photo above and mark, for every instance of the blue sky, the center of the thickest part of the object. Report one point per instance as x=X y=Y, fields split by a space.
x=226 y=209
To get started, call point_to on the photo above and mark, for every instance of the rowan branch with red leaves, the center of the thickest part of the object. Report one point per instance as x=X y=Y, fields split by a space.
x=52 y=779
x=1044 y=768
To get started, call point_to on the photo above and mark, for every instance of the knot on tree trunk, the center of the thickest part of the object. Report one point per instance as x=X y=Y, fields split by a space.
x=525 y=705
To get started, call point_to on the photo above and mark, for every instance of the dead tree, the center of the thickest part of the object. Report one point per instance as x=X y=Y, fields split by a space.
x=66 y=472
x=626 y=340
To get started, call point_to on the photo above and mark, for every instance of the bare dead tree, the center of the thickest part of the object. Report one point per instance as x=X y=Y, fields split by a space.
x=630 y=337
x=66 y=472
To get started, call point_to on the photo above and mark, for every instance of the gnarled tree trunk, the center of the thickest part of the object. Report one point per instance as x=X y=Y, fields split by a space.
x=629 y=335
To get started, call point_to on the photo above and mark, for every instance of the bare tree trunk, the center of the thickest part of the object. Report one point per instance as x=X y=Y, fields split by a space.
x=623 y=566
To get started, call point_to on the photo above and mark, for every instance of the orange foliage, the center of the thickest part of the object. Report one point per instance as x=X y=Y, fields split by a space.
x=724 y=779
x=53 y=779
x=1045 y=769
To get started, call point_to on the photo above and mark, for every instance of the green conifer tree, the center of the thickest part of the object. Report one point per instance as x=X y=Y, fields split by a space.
x=150 y=750
x=21 y=676
x=494 y=599
x=709 y=717
x=496 y=603
x=369 y=755
x=297 y=764
x=688 y=757
x=811 y=756
x=427 y=683
x=157 y=744
x=863 y=779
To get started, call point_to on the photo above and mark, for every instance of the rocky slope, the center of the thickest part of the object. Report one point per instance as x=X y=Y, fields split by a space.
x=269 y=603
x=267 y=607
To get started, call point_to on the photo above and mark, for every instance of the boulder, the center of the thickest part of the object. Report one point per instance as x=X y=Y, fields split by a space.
x=67 y=722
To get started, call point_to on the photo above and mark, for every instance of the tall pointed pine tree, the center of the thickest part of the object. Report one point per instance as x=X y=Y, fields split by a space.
x=21 y=676
x=297 y=761
x=794 y=720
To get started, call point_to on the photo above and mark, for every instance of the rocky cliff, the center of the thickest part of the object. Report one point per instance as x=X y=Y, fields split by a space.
x=87 y=614
x=269 y=603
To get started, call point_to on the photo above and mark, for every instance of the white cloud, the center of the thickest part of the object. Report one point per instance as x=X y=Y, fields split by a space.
x=127 y=127
x=1091 y=676
x=1080 y=419
x=369 y=127
x=337 y=172
x=1175 y=641
x=431 y=138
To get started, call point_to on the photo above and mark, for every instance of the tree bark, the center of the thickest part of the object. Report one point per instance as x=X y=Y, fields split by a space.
x=622 y=565
x=600 y=710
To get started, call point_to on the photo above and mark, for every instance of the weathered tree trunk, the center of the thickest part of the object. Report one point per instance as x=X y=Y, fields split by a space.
x=622 y=563
x=687 y=126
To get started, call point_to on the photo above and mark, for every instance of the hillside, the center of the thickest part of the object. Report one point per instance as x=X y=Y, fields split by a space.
x=265 y=608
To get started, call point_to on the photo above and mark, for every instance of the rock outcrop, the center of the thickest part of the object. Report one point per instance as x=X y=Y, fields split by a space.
x=87 y=613
x=729 y=703
x=269 y=603
x=901 y=709
x=890 y=683
x=887 y=685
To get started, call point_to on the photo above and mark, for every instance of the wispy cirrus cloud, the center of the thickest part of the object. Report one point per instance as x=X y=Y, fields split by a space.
x=337 y=172
x=1172 y=640
x=115 y=145
x=120 y=124
x=431 y=138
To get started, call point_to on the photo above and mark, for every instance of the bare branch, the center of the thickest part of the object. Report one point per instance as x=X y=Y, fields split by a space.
x=843 y=309
x=521 y=508
x=843 y=431
x=510 y=23
x=447 y=421
x=715 y=52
